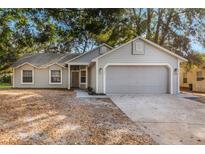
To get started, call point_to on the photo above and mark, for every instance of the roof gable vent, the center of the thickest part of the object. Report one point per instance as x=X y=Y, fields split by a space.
x=103 y=49
x=138 y=48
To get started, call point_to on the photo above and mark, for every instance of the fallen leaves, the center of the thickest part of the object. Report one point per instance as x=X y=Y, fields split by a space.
x=58 y=117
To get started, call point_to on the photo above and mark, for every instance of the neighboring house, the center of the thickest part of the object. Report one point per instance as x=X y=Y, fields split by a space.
x=138 y=66
x=193 y=79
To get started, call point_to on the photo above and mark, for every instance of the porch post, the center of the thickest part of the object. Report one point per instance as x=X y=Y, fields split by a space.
x=178 y=84
x=68 y=76
x=86 y=86
x=13 y=78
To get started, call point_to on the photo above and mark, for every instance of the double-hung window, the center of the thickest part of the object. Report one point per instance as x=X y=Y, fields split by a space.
x=185 y=78
x=55 y=76
x=199 y=76
x=83 y=76
x=27 y=76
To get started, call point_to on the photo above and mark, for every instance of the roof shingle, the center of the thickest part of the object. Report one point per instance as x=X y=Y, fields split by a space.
x=45 y=59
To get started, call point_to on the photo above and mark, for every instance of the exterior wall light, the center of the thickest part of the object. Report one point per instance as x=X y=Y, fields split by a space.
x=100 y=70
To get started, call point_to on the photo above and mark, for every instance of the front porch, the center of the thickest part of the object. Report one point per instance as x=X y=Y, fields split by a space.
x=77 y=76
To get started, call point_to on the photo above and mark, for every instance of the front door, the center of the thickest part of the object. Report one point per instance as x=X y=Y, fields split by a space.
x=75 y=80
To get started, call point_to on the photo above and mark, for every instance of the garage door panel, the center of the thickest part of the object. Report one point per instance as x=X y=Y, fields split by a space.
x=136 y=79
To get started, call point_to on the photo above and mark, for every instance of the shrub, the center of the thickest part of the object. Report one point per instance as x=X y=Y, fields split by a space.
x=5 y=78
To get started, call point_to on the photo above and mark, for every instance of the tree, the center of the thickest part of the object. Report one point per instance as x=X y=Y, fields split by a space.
x=79 y=30
x=85 y=28
x=174 y=29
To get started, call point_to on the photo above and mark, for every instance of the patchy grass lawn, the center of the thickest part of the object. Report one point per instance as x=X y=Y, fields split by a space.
x=5 y=85
x=58 y=117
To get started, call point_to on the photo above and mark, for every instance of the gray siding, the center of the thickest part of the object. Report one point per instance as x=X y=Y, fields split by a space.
x=151 y=55
x=92 y=76
x=41 y=77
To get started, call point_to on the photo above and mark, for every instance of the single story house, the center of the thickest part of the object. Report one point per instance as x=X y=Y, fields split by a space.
x=193 y=79
x=138 y=66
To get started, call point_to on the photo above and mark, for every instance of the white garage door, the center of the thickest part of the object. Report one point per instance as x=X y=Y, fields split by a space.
x=136 y=79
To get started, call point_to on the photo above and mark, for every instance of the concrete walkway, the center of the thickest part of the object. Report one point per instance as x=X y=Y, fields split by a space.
x=167 y=118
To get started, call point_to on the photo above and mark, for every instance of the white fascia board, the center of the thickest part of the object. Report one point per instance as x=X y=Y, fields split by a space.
x=147 y=41
x=81 y=55
x=52 y=65
x=104 y=44
x=165 y=50
x=94 y=60
x=26 y=63
x=46 y=66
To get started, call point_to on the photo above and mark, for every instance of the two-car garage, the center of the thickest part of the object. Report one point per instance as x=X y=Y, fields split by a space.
x=138 y=67
x=131 y=79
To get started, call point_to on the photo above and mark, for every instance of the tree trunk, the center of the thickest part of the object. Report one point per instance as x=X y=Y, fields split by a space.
x=149 y=18
x=138 y=20
x=159 y=22
x=166 y=27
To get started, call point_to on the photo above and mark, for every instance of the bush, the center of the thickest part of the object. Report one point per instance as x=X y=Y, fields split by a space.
x=90 y=91
x=5 y=78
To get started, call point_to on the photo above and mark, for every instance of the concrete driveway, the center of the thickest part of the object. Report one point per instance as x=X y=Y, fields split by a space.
x=167 y=118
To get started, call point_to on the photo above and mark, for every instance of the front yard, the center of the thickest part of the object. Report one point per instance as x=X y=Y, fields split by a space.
x=58 y=117
x=5 y=85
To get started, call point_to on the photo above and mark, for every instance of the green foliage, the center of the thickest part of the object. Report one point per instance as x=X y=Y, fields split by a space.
x=5 y=78
x=195 y=59
x=63 y=30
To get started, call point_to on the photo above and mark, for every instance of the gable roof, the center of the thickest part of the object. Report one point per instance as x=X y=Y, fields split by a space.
x=87 y=57
x=44 y=59
x=147 y=41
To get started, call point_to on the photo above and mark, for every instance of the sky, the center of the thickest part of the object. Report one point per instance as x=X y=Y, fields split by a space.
x=197 y=47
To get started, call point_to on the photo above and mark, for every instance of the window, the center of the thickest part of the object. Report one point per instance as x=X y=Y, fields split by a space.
x=83 y=77
x=55 y=76
x=27 y=76
x=199 y=76
x=185 y=78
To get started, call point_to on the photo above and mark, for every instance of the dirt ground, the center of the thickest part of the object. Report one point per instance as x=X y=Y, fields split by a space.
x=58 y=117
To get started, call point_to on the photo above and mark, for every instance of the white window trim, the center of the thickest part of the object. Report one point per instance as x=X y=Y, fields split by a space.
x=50 y=76
x=140 y=64
x=41 y=67
x=32 y=76
x=136 y=48
x=83 y=83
